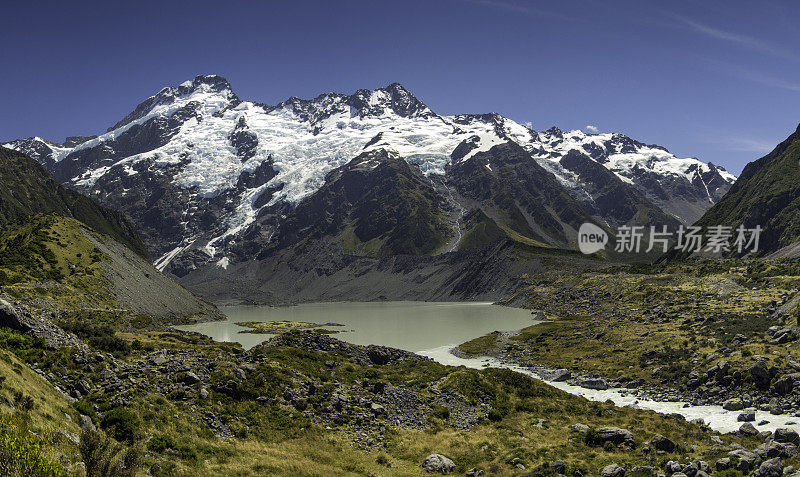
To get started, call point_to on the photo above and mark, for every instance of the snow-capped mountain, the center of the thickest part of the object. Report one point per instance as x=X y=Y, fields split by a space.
x=207 y=176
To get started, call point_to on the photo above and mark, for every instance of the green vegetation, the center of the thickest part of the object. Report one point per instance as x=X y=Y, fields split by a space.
x=50 y=257
x=527 y=421
x=657 y=323
x=104 y=457
x=767 y=193
x=27 y=189
x=276 y=327
x=24 y=453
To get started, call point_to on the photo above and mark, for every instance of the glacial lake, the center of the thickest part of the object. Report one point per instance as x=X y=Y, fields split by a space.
x=432 y=329
x=412 y=326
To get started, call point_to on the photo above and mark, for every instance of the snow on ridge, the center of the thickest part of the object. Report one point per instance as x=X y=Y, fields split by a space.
x=624 y=164
x=306 y=139
x=484 y=142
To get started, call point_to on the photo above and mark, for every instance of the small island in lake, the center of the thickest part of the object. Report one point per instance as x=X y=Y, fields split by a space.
x=277 y=327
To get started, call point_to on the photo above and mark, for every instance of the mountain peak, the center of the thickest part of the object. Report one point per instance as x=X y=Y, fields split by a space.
x=394 y=97
x=210 y=83
x=201 y=85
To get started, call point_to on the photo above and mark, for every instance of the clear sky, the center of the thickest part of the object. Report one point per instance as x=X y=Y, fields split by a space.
x=713 y=79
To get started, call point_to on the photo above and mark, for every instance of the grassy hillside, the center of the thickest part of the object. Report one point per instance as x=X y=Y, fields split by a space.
x=59 y=266
x=27 y=189
x=766 y=194
x=287 y=416
x=665 y=325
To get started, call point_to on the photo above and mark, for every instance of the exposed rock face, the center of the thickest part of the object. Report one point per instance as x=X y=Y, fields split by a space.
x=19 y=317
x=209 y=178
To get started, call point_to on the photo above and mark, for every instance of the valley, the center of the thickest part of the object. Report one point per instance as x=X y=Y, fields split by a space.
x=356 y=285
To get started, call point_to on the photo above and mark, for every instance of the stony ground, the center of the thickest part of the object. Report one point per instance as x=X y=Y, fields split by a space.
x=307 y=404
x=703 y=333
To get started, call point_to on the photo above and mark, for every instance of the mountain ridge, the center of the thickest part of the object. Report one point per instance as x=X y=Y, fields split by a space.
x=766 y=194
x=200 y=171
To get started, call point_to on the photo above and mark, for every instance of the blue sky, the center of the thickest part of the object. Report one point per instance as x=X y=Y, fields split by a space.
x=713 y=79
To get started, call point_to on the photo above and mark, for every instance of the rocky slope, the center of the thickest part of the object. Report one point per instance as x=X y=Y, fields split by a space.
x=493 y=272
x=57 y=265
x=767 y=194
x=305 y=401
x=208 y=178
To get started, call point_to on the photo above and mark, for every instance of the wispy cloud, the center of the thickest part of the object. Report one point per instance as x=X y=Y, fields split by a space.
x=755 y=76
x=591 y=128
x=743 y=144
x=737 y=142
x=745 y=41
x=514 y=7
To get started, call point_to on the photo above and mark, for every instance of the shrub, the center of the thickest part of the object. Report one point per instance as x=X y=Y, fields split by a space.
x=440 y=412
x=85 y=408
x=11 y=340
x=99 y=336
x=121 y=423
x=161 y=443
x=590 y=438
x=23 y=401
x=103 y=457
x=21 y=454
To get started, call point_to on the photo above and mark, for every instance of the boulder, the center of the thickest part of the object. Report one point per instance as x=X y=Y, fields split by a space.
x=561 y=375
x=785 y=383
x=11 y=318
x=438 y=463
x=558 y=467
x=747 y=460
x=760 y=374
x=718 y=371
x=644 y=470
x=616 y=436
x=787 y=436
x=191 y=378
x=770 y=468
x=672 y=467
x=747 y=416
x=748 y=429
x=779 y=449
x=86 y=423
x=775 y=406
x=613 y=470
x=598 y=384
x=723 y=464
x=734 y=404
x=661 y=443
x=582 y=428
x=785 y=335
